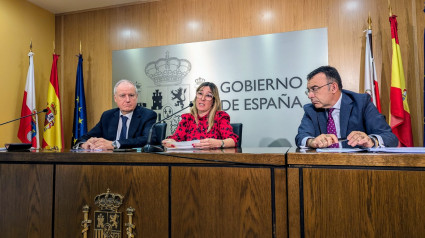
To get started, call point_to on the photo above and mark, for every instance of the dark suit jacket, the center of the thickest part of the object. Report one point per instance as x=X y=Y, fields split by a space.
x=141 y=122
x=357 y=114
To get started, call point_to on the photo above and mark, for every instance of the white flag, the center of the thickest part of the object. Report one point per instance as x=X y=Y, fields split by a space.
x=370 y=79
x=28 y=127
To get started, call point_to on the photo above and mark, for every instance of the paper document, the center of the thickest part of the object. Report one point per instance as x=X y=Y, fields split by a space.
x=413 y=150
x=340 y=150
x=183 y=145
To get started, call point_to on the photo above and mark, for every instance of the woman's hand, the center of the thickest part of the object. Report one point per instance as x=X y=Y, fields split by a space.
x=208 y=144
x=168 y=143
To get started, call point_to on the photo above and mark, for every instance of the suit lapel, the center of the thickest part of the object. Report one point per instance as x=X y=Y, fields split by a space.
x=134 y=123
x=321 y=118
x=344 y=115
x=112 y=130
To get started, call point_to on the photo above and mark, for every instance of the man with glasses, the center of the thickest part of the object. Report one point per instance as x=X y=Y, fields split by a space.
x=124 y=127
x=340 y=118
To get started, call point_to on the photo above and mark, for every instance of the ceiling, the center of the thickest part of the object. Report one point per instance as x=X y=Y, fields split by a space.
x=65 y=6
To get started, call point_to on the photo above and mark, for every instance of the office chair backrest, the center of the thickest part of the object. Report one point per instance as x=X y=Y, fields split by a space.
x=237 y=129
x=160 y=131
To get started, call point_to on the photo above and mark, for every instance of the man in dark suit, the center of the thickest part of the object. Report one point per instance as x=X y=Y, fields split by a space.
x=335 y=113
x=124 y=127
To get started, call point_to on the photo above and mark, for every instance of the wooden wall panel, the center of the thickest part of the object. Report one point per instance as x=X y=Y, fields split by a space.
x=26 y=200
x=167 y=22
x=294 y=202
x=221 y=202
x=281 y=203
x=363 y=203
x=77 y=185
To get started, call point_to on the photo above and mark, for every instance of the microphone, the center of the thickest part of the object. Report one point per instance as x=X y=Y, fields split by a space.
x=35 y=113
x=151 y=148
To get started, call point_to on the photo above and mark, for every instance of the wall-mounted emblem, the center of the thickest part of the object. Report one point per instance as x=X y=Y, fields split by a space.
x=107 y=221
x=168 y=70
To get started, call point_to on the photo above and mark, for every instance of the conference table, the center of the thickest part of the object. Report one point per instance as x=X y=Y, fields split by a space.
x=248 y=192
x=217 y=193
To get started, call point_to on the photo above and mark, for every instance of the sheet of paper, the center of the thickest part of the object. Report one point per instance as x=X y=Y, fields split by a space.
x=340 y=150
x=413 y=150
x=183 y=145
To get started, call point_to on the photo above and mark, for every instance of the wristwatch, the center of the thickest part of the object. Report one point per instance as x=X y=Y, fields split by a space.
x=222 y=144
x=375 y=141
x=114 y=144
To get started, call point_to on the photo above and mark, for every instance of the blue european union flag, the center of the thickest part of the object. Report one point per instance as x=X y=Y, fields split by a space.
x=80 y=112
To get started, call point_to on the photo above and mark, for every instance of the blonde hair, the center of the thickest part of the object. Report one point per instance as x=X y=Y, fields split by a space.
x=216 y=106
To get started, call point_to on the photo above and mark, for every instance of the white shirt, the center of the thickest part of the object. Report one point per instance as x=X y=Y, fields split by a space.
x=129 y=116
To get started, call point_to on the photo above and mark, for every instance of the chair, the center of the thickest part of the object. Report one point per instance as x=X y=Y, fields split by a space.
x=237 y=129
x=160 y=131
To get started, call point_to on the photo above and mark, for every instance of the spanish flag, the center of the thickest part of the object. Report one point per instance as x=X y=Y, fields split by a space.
x=53 y=132
x=399 y=110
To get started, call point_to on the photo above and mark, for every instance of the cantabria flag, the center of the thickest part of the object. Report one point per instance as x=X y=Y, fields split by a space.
x=28 y=126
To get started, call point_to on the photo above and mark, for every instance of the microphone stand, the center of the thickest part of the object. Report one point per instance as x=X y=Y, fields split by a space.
x=152 y=148
x=20 y=146
x=35 y=113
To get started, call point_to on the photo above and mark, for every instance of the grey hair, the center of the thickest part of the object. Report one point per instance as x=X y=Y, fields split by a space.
x=124 y=81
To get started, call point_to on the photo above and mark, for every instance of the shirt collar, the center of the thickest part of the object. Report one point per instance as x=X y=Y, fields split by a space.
x=338 y=103
x=128 y=115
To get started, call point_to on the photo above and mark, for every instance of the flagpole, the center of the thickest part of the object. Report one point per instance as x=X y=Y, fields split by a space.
x=369 y=22
x=423 y=138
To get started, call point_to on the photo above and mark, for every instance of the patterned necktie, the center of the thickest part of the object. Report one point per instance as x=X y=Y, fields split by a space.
x=123 y=134
x=330 y=127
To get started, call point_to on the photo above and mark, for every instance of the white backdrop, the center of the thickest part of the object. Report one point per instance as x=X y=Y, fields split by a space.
x=262 y=79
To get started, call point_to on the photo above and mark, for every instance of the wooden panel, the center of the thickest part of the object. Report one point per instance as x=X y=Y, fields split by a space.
x=26 y=200
x=167 y=22
x=294 y=208
x=281 y=203
x=363 y=203
x=145 y=188
x=221 y=202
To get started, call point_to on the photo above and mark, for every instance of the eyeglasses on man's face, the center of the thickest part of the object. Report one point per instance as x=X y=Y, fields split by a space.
x=124 y=96
x=207 y=96
x=315 y=89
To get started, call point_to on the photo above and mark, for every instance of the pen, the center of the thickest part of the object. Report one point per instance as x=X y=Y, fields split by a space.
x=342 y=139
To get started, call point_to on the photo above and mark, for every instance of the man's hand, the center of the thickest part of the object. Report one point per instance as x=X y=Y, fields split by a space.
x=97 y=144
x=359 y=138
x=322 y=141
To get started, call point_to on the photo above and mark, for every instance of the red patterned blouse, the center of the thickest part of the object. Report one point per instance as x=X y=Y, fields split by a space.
x=187 y=129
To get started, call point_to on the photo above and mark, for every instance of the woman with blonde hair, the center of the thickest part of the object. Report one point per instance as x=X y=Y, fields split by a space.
x=205 y=122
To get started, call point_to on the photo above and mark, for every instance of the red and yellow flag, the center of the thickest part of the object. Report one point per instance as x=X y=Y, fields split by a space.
x=53 y=132
x=399 y=110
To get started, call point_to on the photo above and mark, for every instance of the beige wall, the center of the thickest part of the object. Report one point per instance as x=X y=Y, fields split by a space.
x=21 y=22
x=166 y=22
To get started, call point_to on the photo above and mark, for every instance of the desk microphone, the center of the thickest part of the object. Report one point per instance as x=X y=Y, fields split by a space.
x=152 y=148
x=44 y=110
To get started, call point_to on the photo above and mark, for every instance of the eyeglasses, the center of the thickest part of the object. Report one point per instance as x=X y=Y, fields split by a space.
x=123 y=96
x=314 y=89
x=207 y=96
